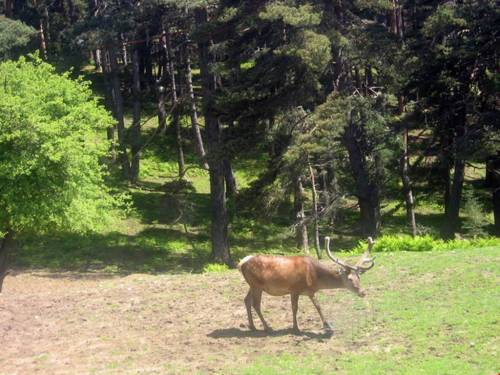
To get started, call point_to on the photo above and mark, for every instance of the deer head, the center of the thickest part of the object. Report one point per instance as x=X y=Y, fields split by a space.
x=350 y=274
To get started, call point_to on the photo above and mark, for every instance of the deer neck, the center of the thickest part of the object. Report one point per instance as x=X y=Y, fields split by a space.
x=330 y=278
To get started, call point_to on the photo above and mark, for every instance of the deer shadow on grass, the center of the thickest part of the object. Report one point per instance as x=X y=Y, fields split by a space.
x=236 y=332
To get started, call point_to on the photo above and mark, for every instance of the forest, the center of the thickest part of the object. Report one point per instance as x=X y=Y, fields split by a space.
x=174 y=138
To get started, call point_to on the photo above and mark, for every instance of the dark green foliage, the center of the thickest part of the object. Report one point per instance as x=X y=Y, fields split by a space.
x=15 y=37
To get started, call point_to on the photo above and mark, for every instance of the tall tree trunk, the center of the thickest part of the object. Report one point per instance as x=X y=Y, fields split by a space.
x=97 y=55
x=405 y=160
x=496 y=210
x=367 y=190
x=200 y=149
x=332 y=188
x=492 y=180
x=124 y=50
x=46 y=16
x=5 y=247
x=231 y=187
x=445 y=169
x=405 y=177
x=176 y=125
x=301 y=228
x=317 y=245
x=43 y=43
x=452 y=222
x=165 y=70
x=118 y=112
x=229 y=177
x=148 y=62
x=109 y=97
x=135 y=129
x=162 y=112
x=8 y=8
x=72 y=17
x=219 y=230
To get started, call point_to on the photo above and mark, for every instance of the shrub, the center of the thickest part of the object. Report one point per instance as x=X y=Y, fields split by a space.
x=476 y=219
x=215 y=267
x=424 y=243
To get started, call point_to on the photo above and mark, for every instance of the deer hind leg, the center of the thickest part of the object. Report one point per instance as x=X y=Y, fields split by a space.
x=326 y=325
x=295 y=307
x=248 y=304
x=256 y=299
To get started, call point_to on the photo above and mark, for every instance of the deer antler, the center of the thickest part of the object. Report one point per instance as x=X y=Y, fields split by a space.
x=336 y=260
x=366 y=258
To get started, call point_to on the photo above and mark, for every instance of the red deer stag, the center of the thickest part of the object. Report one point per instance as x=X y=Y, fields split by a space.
x=299 y=275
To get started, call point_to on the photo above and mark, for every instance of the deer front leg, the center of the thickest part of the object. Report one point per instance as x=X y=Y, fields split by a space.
x=295 y=307
x=248 y=305
x=256 y=299
x=326 y=325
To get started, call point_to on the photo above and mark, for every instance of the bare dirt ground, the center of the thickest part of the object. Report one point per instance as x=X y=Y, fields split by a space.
x=72 y=323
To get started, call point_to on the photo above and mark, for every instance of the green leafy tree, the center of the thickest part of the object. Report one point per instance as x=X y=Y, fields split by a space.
x=50 y=151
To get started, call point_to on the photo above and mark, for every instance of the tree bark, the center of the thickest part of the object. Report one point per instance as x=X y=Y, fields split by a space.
x=135 y=129
x=200 y=149
x=148 y=62
x=219 y=229
x=175 y=106
x=317 y=245
x=43 y=43
x=231 y=186
x=97 y=54
x=72 y=17
x=333 y=192
x=452 y=222
x=367 y=190
x=124 y=50
x=493 y=181
x=301 y=228
x=162 y=112
x=496 y=210
x=108 y=97
x=405 y=178
x=5 y=247
x=118 y=112
x=8 y=8
x=445 y=167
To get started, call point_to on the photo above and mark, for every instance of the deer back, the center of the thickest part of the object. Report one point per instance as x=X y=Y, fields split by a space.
x=279 y=275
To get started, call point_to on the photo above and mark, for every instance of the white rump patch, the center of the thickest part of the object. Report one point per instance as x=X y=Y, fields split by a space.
x=244 y=260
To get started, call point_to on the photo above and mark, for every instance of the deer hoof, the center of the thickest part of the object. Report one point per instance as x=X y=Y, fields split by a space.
x=296 y=331
x=327 y=327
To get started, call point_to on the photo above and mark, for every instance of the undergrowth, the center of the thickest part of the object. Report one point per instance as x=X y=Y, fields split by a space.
x=397 y=243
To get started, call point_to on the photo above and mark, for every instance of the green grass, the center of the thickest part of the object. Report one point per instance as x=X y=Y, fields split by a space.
x=431 y=313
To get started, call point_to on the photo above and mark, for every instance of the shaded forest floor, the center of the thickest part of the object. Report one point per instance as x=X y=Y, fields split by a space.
x=425 y=313
x=169 y=232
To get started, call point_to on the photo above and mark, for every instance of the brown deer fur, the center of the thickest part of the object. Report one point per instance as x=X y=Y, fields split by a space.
x=297 y=275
